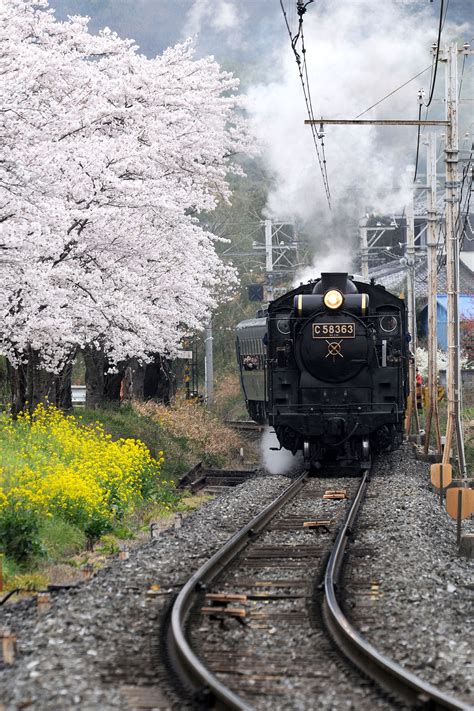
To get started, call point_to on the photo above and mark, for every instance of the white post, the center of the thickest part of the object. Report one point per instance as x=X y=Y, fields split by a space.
x=454 y=423
x=208 y=365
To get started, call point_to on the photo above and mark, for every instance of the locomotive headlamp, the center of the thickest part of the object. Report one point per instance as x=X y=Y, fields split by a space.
x=333 y=299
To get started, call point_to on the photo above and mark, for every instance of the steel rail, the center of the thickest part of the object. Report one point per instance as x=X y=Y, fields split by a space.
x=191 y=671
x=383 y=670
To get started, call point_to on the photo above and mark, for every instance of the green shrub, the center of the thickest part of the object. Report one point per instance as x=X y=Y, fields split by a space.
x=19 y=534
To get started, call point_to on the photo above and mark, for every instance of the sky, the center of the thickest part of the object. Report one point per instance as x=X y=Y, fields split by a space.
x=240 y=32
x=357 y=52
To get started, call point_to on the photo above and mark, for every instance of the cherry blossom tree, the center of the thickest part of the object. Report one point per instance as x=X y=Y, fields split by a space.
x=108 y=159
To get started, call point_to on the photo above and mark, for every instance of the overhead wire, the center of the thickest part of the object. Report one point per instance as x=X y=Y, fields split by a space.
x=466 y=171
x=435 y=65
x=394 y=91
x=462 y=74
x=434 y=73
x=461 y=210
x=418 y=143
x=315 y=133
x=304 y=78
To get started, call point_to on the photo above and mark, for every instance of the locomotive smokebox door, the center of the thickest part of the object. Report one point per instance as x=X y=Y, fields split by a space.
x=333 y=347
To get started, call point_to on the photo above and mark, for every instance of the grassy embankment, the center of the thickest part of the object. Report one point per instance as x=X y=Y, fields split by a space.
x=97 y=477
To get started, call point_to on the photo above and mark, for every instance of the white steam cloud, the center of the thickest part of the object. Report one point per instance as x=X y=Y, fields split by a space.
x=222 y=15
x=277 y=462
x=357 y=52
x=335 y=261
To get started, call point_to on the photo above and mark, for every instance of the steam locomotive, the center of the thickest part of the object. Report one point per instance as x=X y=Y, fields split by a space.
x=326 y=366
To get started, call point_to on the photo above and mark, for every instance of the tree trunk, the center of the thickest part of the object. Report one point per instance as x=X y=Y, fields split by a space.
x=138 y=380
x=160 y=381
x=17 y=379
x=112 y=382
x=63 y=386
x=5 y=383
x=94 y=360
x=30 y=385
x=41 y=383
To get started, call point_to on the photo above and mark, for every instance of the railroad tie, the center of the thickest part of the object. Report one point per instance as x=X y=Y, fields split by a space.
x=221 y=605
x=320 y=526
x=225 y=597
x=214 y=610
x=335 y=494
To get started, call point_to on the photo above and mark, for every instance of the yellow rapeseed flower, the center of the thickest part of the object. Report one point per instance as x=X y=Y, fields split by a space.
x=58 y=466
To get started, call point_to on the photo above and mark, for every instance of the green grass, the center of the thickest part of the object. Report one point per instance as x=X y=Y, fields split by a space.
x=125 y=422
x=60 y=539
x=56 y=540
x=63 y=544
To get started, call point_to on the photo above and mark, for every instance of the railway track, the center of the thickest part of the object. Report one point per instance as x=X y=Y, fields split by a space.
x=213 y=480
x=259 y=624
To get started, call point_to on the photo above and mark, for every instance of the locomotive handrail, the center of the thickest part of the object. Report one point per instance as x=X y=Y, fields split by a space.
x=384 y=670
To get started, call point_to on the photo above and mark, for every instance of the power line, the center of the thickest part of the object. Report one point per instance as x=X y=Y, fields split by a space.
x=395 y=90
x=315 y=134
x=461 y=210
x=417 y=143
x=445 y=15
x=434 y=72
x=462 y=75
x=467 y=168
x=303 y=74
x=435 y=69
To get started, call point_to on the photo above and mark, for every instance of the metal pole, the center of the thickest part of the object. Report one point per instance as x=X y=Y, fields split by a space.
x=364 y=249
x=269 y=258
x=410 y=257
x=209 y=365
x=297 y=249
x=452 y=263
x=432 y=416
x=375 y=122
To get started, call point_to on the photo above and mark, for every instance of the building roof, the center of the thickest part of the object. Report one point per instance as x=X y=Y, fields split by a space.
x=392 y=275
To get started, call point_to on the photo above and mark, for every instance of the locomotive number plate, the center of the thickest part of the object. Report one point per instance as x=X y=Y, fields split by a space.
x=333 y=330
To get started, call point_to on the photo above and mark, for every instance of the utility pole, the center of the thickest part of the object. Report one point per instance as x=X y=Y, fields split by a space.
x=411 y=303
x=432 y=416
x=454 y=422
x=364 y=249
x=208 y=365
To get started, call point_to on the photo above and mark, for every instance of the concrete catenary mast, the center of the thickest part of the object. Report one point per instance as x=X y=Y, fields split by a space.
x=454 y=422
x=432 y=416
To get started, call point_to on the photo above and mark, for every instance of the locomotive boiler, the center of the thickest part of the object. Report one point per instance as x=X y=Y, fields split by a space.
x=326 y=366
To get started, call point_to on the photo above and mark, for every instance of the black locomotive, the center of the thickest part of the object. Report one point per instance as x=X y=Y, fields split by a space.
x=327 y=366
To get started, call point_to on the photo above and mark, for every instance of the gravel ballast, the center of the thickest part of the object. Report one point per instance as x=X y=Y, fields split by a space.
x=98 y=643
x=416 y=604
x=100 y=639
